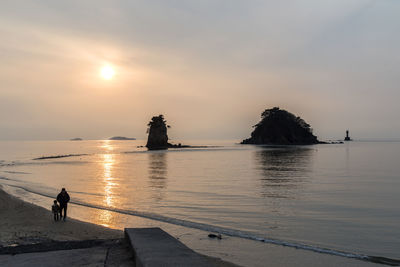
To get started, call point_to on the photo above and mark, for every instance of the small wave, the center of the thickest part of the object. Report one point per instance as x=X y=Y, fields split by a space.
x=86 y=193
x=7 y=164
x=60 y=156
x=15 y=172
x=228 y=231
x=189 y=149
x=27 y=163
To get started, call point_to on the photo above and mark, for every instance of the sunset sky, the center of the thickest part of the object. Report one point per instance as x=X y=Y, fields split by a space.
x=211 y=67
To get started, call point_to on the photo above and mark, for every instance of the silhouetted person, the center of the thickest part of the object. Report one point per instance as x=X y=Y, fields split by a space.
x=56 y=211
x=63 y=199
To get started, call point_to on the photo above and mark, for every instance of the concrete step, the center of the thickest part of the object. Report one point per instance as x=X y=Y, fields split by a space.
x=153 y=247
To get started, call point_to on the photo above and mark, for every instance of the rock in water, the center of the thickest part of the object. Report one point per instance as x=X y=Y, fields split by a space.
x=158 y=138
x=215 y=236
x=280 y=127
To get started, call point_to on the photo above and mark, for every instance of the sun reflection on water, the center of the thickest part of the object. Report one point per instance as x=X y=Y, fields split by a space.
x=109 y=182
x=107 y=145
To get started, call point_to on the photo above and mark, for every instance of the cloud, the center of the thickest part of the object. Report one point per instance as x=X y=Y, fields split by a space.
x=205 y=64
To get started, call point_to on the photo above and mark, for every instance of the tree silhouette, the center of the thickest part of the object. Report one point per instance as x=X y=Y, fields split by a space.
x=278 y=126
x=157 y=130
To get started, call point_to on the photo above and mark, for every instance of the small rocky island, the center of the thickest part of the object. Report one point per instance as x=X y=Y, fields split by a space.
x=280 y=127
x=158 y=138
x=121 y=138
x=76 y=139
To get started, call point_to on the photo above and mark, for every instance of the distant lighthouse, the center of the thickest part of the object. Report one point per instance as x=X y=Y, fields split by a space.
x=347 y=138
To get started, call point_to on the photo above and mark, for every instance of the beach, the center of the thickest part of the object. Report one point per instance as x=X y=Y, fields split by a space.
x=23 y=223
x=246 y=131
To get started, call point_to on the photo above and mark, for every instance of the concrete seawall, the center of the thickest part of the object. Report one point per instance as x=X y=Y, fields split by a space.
x=152 y=247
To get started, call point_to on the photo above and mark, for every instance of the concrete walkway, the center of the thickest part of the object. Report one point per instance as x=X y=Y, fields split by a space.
x=153 y=248
x=109 y=253
x=149 y=247
x=75 y=257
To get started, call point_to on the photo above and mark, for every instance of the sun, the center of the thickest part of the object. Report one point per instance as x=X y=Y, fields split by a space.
x=107 y=72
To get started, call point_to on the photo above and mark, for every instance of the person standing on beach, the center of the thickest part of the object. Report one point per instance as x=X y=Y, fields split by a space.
x=63 y=199
x=56 y=211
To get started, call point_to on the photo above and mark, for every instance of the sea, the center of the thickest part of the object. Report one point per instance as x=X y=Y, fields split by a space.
x=340 y=199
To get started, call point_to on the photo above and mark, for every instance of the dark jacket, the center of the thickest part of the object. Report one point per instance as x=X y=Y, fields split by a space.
x=63 y=198
x=55 y=208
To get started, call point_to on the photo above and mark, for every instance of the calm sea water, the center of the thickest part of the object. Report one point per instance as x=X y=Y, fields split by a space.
x=343 y=197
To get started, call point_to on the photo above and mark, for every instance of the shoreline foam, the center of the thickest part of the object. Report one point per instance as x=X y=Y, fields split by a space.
x=276 y=255
x=23 y=223
x=233 y=232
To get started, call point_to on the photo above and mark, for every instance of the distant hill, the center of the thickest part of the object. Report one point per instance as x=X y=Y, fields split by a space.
x=121 y=138
x=280 y=127
x=76 y=139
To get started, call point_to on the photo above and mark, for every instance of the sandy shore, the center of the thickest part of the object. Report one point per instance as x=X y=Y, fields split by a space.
x=24 y=223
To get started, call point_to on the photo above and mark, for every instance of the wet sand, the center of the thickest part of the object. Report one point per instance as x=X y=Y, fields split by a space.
x=23 y=223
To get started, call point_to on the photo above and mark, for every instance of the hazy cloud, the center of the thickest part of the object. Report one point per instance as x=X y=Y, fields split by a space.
x=210 y=66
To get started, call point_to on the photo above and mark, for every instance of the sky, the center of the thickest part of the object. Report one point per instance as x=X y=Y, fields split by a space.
x=211 y=67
